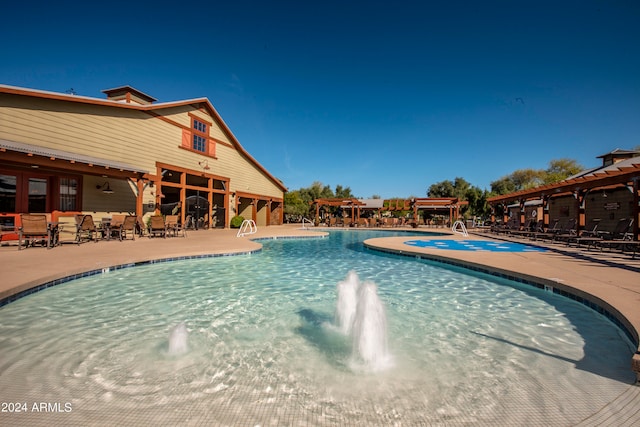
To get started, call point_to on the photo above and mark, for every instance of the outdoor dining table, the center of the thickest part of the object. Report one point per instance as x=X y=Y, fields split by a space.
x=105 y=225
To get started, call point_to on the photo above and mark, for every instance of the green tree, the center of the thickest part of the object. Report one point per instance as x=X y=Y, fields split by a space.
x=294 y=204
x=523 y=179
x=478 y=205
x=300 y=202
x=504 y=185
x=344 y=192
x=463 y=190
x=561 y=169
x=448 y=188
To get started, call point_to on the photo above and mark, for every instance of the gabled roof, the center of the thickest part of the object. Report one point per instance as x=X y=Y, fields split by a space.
x=200 y=102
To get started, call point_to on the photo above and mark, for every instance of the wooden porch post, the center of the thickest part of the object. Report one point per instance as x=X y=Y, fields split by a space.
x=636 y=208
x=139 y=197
x=268 y=212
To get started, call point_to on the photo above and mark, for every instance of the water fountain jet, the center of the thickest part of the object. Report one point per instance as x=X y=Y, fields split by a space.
x=361 y=314
x=178 y=339
x=346 y=305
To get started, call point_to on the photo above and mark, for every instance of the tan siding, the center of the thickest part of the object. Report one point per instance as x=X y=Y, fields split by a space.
x=129 y=136
x=246 y=178
x=93 y=199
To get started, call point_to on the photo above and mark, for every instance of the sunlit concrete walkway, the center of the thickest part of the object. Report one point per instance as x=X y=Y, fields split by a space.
x=611 y=280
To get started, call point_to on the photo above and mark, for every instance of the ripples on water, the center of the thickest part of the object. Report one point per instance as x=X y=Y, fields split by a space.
x=262 y=344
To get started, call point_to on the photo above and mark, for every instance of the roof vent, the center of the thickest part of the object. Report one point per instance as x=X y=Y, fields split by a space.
x=617 y=155
x=128 y=95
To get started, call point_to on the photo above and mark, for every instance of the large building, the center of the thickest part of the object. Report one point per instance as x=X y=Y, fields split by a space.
x=128 y=153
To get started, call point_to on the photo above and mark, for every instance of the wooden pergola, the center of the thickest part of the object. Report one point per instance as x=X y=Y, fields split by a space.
x=579 y=188
x=451 y=204
x=352 y=203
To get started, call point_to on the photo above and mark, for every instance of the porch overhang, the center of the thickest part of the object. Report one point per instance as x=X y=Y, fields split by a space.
x=20 y=153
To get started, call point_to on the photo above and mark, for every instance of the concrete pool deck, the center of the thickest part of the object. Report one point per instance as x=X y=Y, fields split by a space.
x=611 y=280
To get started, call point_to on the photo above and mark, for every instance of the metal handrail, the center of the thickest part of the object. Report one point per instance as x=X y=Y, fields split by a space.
x=247 y=224
x=462 y=230
x=307 y=220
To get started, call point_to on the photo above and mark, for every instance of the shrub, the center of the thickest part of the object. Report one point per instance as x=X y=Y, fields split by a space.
x=236 y=221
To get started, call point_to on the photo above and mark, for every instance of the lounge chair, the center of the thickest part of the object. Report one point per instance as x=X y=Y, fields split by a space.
x=35 y=228
x=157 y=226
x=528 y=227
x=174 y=227
x=554 y=227
x=512 y=224
x=618 y=237
x=588 y=234
x=535 y=228
x=567 y=228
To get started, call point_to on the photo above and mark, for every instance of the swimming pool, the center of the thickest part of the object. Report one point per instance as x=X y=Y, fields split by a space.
x=263 y=349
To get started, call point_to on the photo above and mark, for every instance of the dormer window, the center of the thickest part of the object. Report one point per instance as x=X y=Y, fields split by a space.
x=197 y=139
x=200 y=136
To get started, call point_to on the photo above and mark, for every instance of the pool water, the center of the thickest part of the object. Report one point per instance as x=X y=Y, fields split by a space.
x=473 y=245
x=262 y=347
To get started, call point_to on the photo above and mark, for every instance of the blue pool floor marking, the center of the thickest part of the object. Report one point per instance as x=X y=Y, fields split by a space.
x=474 y=245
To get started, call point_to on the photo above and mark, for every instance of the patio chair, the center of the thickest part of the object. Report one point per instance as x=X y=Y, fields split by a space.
x=87 y=229
x=127 y=226
x=68 y=229
x=174 y=227
x=157 y=226
x=115 y=224
x=34 y=228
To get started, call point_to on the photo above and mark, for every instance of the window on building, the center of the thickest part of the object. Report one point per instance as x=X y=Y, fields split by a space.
x=68 y=194
x=8 y=193
x=37 y=195
x=200 y=136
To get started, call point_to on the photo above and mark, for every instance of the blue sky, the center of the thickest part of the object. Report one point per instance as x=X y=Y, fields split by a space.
x=384 y=97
